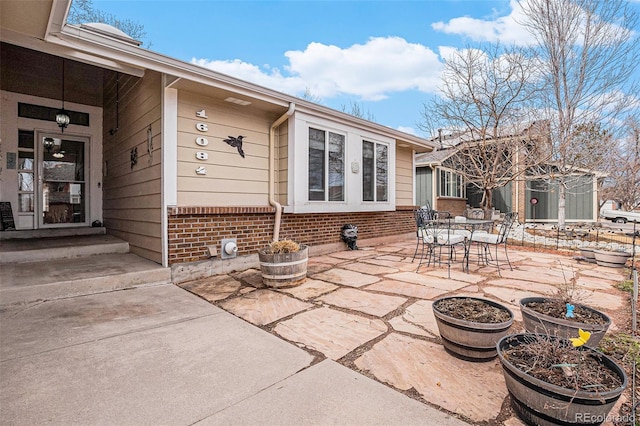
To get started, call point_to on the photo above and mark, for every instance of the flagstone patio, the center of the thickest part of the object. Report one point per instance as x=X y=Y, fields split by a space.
x=370 y=311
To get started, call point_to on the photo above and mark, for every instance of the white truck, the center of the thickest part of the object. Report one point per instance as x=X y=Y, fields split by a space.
x=619 y=216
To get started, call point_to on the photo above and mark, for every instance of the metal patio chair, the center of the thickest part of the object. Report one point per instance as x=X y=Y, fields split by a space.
x=485 y=241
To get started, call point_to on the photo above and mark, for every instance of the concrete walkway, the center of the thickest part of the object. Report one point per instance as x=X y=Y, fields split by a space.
x=159 y=355
x=369 y=310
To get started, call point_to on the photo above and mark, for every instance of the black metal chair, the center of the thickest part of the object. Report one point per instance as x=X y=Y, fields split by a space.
x=442 y=240
x=422 y=216
x=485 y=240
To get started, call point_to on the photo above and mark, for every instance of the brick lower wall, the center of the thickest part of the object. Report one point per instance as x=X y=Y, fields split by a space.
x=192 y=229
x=455 y=206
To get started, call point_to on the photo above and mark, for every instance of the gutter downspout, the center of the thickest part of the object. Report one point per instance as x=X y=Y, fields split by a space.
x=272 y=166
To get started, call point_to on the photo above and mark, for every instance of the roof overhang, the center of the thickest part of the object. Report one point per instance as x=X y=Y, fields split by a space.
x=85 y=45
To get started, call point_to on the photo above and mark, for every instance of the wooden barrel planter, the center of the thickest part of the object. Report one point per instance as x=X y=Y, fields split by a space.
x=536 y=322
x=588 y=254
x=538 y=402
x=611 y=259
x=471 y=340
x=281 y=270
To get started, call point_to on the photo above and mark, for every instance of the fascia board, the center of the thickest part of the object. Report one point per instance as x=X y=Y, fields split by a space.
x=138 y=58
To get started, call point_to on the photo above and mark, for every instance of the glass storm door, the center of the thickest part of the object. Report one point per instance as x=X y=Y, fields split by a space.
x=62 y=185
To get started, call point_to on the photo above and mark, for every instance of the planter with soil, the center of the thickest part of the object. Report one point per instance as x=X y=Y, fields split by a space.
x=551 y=382
x=471 y=327
x=548 y=316
x=611 y=258
x=283 y=264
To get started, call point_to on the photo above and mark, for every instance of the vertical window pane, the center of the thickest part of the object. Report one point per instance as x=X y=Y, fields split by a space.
x=25 y=202
x=381 y=173
x=25 y=139
x=336 y=167
x=367 y=171
x=316 y=165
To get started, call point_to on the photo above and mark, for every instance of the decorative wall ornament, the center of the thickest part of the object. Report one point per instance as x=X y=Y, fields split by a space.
x=134 y=157
x=150 y=144
x=236 y=143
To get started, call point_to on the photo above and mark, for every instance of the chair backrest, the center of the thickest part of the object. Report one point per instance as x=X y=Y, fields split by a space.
x=423 y=216
x=506 y=225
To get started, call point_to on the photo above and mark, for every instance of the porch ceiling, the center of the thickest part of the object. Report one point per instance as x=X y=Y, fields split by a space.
x=30 y=21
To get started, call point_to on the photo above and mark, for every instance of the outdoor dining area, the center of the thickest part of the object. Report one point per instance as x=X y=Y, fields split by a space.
x=440 y=237
x=372 y=309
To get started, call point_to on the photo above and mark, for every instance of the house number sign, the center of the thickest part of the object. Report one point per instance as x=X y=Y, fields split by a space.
x=202 y=127
x=202 y=155
x=202 y=141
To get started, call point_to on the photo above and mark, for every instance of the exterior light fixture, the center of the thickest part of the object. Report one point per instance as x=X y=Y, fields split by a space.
x=48 y=143
x=62 y=116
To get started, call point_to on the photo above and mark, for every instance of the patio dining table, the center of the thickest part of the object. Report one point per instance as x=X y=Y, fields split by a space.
x=471 y=225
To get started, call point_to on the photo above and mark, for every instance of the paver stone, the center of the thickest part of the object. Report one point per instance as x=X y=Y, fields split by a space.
x=369 y=303
x=441 y=379
x=264 y=306
x=334 y=333
x=345 y=277
x=310 y=289
x=213 y=288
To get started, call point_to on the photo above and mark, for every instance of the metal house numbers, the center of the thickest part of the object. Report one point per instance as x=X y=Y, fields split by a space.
x=201 y=141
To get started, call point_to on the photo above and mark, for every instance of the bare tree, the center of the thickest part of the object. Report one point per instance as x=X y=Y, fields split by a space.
x=309 y=96
x=623 y=181
x=356 y=110
x=485 y=97
x=588 y=52
x=83 y=11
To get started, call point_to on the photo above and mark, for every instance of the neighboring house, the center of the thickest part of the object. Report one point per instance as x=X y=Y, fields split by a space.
x=145 y=151
x=445 y=189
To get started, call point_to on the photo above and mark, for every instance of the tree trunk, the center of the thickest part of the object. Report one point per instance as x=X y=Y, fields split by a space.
x=487 y=201
x=562 y=198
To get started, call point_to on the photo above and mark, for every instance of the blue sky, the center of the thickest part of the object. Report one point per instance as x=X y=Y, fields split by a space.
x=383 y=55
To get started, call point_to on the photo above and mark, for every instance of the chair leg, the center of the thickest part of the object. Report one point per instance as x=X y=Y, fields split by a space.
x=416 y=250
x=506 y=254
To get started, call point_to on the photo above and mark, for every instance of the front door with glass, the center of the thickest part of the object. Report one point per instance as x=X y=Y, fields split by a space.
x=62 y=181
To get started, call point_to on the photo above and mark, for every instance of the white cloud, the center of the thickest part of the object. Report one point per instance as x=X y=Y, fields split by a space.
x=504 y=29
x=407 y=129
x=370 y=71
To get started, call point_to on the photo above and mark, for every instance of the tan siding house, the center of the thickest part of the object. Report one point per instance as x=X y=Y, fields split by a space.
x=152 y=166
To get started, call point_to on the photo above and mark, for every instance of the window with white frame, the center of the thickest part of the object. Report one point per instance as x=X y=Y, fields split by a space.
x=375 y=171
x=451 y=184
x=326 y=165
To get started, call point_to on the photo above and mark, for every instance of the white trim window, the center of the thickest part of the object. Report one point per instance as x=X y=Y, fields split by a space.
x=375 y=172
x=451 y=184
x=329 y=173
x=326 y=165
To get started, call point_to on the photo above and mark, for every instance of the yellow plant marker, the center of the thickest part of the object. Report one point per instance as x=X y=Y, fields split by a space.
x=579 y=341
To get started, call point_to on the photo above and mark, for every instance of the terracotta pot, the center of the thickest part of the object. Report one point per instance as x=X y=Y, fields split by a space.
x=541 y=403
x=469 y=340
x=612 y=259
x=535 y=322
x=283 y=270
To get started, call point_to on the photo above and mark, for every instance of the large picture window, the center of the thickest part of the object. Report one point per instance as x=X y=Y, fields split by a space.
x=326 y=165
x=375 y=171
x=451 y=185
